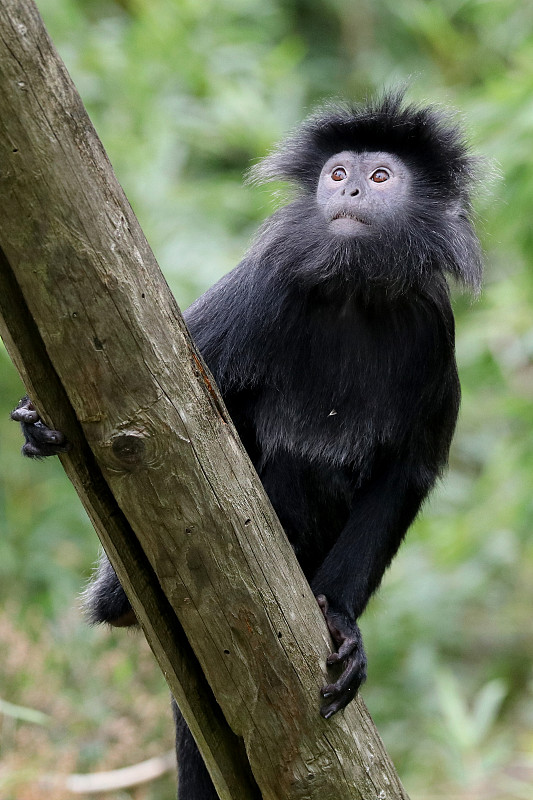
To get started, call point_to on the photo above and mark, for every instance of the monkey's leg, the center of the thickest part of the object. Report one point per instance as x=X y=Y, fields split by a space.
x=105 y=600
x=194 y=782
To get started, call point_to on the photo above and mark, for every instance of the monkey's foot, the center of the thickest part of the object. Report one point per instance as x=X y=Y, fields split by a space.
x=350 y=653
x=40 y=440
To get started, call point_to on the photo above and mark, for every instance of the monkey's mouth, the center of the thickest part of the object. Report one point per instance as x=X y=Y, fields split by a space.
x=349 y=215
x=347 y=223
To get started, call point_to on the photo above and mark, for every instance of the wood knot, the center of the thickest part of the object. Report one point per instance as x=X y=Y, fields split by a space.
x=129 y=449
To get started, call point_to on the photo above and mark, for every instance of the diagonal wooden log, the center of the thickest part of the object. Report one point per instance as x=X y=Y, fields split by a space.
x=101 y=346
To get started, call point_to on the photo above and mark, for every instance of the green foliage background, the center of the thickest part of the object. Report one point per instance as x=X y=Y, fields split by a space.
x=185 y=95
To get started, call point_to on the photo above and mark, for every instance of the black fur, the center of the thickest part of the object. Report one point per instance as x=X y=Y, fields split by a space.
x=335 y=357
x=194 y=782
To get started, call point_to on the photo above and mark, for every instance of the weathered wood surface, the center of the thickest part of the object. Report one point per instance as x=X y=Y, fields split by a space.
x=99 y=341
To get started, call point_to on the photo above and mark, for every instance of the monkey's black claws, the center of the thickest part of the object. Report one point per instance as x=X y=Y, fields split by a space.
x=350 y=654
x=40 y=440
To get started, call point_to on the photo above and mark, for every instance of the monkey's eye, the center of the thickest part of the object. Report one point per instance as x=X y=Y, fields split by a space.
x=338 y=174
x=380 y=175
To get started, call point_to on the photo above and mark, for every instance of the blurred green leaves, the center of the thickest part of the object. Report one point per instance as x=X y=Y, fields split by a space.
x=469 y=726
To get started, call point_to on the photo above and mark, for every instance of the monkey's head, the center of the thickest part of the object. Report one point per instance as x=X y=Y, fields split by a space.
x=387 y=188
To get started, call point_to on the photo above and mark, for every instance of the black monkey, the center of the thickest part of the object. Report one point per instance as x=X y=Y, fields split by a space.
x=333 y=345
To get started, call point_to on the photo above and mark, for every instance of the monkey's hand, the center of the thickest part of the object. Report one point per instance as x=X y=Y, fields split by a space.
x=350 y=653
x=40 y=440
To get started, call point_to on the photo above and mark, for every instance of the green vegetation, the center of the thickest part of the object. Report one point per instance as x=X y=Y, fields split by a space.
x=185 y=95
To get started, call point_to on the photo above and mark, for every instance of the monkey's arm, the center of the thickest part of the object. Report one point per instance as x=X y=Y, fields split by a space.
x=381 y=514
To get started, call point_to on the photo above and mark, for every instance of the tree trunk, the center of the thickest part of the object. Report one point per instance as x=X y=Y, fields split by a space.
x=101 y=346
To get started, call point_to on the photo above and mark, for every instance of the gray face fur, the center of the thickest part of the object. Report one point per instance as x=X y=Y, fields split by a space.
x=359 y=192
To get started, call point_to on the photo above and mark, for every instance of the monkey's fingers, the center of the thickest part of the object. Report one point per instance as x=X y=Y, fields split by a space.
x=25 y=412
x=329 y=709
x=350 y=652
x=340 y=693
x=353 y=675
x=40 y=440
x=349 y=644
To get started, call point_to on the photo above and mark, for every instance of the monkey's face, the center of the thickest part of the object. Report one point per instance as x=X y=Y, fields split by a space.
x=359 y=193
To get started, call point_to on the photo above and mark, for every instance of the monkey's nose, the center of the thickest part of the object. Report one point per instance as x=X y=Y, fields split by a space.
x=352 y=193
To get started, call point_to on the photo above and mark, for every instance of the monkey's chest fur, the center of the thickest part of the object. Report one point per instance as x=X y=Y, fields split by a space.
x=352 y=384
x=349 y=379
